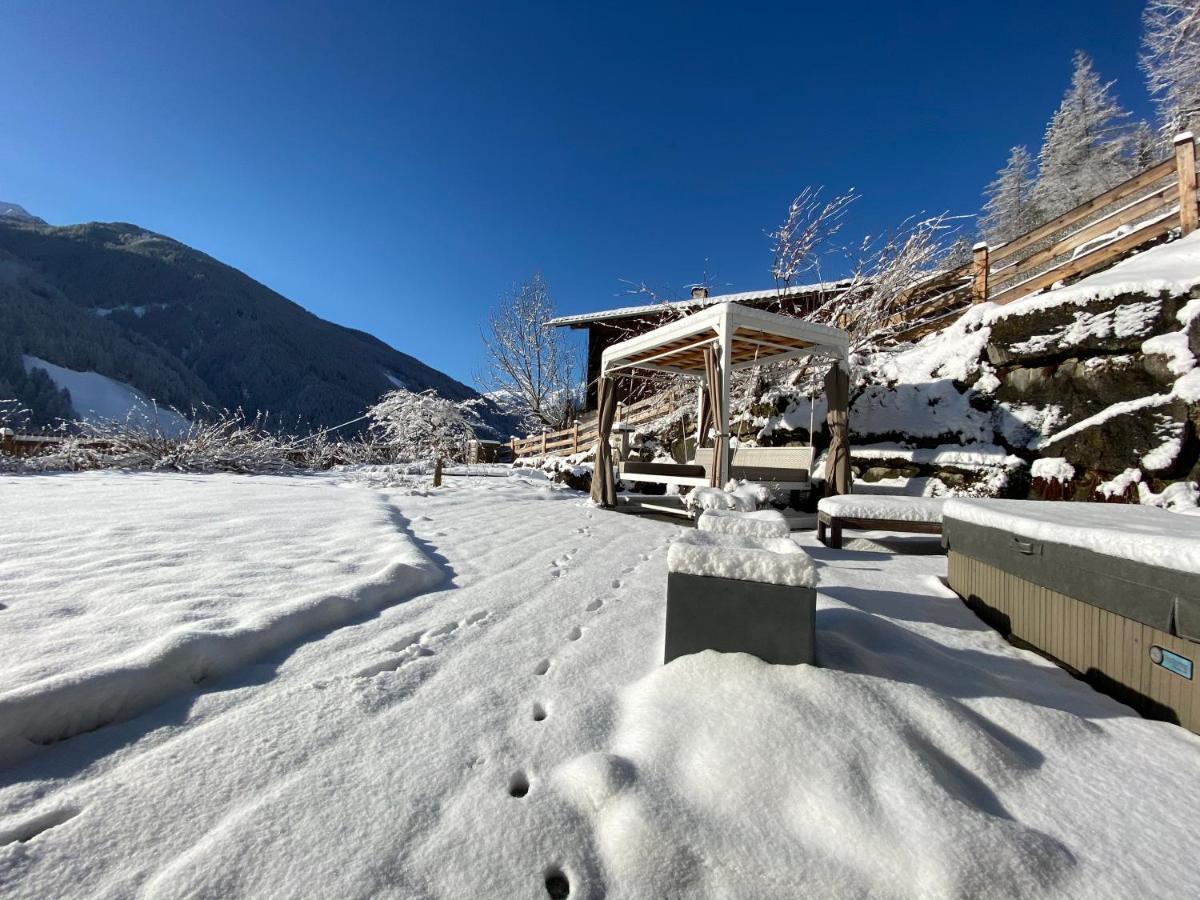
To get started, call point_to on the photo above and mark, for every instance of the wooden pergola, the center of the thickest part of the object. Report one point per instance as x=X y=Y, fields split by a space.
x=710 y=346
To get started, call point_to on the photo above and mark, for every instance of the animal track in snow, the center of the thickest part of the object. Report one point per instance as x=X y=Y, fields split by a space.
x=575 y=633
x=559 y=566
x=616 y=584
x=542 y=667
x=417 y=646
x=539 y=712
x=557 y=885
x=26 y=831
x=518 y=785
x=594 y=605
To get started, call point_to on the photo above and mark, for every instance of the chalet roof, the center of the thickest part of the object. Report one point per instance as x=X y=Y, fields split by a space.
x=695 y=303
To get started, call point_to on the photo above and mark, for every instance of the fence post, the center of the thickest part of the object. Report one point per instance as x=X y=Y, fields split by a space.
x=543 y=441
x=1185 y=169
x=8 y=441
x=575 y=436
x=512 y=445
x=979 y=272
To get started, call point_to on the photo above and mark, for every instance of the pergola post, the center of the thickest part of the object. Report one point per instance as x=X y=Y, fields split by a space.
x=726 y=337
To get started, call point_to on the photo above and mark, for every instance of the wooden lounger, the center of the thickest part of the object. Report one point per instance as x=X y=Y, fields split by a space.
x=921 y=515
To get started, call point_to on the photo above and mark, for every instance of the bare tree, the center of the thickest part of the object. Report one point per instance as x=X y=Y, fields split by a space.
x=797 y=244
x=422 y=426
x=1171 y=60
x=531 y=367
x=884 y=270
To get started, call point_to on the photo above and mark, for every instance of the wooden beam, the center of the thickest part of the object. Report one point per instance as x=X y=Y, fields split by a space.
x=979 y=273
x=1185 y=170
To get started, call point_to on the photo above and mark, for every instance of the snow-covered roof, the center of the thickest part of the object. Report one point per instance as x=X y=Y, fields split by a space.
x=753 y=337
x=623 y=312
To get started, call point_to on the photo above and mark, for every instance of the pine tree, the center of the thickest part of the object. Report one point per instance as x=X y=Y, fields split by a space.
x=1009 y=210
x=1083 y=153
x=1146 y=148
x=1171 y=61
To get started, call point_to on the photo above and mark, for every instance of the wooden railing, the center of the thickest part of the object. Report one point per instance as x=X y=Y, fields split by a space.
x=1089 y=237
x=1085 y=239
x=583 y=433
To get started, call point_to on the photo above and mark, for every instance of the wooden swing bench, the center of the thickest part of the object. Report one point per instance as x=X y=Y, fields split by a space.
x=786 y=468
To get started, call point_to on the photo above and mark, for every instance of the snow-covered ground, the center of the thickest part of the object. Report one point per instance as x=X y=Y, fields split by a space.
x=512 y=726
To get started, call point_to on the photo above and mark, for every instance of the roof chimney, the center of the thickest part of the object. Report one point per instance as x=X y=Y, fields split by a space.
x=699 y=292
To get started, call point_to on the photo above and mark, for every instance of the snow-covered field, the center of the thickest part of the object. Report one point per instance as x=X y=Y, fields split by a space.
x=512 y=727
x=98 y=398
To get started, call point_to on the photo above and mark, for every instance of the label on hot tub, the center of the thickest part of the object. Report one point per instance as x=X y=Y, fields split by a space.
x=1172 y=662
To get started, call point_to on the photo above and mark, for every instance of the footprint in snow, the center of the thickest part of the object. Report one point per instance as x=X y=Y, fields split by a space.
x=575 y=633
x=518 y=785
x=594 y=605
x=417 y=646
x=616 y=583
x=542 y=667
x=539 y=712
x=24 y=832
x=557 y=885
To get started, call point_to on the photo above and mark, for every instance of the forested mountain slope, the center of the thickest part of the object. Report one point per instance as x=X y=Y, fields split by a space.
x=180 y=327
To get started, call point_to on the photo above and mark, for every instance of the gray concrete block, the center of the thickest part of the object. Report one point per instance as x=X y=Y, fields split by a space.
x=776 y=623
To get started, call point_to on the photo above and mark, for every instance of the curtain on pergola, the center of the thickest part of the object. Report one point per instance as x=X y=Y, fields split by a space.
x=604 y=487
x=837 y=459
x=712 y=380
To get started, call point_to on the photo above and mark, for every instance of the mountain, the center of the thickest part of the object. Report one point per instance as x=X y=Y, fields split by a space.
x=176 y=325
x=16 y=211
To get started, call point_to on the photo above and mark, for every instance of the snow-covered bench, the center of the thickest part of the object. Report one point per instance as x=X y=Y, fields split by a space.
x=922 y=515
x=781 y=467
x=737 y=594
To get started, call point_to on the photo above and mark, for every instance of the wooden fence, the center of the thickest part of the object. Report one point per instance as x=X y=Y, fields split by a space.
x=31 y=444
x=1088 y=238
x=583 y=433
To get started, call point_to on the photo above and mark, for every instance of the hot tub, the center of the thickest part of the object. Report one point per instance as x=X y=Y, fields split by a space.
x=1111 y=591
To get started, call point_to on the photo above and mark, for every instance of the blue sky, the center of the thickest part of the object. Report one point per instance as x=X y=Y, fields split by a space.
x=396 y=167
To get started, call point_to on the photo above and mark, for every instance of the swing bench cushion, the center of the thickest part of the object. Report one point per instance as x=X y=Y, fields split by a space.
x=671 y=469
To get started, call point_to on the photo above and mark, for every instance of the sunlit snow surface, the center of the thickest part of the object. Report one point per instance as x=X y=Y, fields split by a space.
x=924 y=757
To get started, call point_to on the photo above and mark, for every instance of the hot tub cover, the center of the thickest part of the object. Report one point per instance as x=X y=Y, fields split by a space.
x=1138 y=562
x=1142 y=534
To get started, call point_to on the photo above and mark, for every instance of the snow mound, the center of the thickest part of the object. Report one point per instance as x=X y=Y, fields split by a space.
x=1139 y=533
x=770 y=560
x=120 y=590
x=765 y=523
x=860 y=787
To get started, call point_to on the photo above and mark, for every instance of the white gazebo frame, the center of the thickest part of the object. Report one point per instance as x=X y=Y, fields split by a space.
x=745 y=337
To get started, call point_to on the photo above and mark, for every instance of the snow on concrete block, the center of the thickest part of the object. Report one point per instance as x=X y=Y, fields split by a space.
x=764 y=523
x=740 y=558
